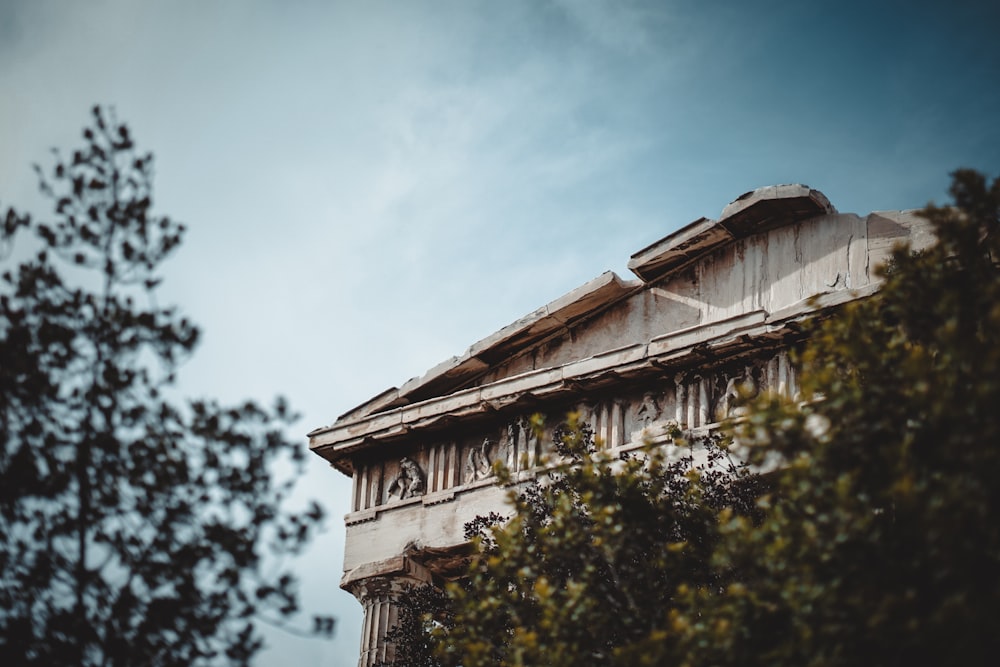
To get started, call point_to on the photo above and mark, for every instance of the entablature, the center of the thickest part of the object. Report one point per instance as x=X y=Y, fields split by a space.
x=672 y=351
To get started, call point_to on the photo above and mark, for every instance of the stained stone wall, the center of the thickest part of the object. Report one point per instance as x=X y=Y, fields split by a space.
x=717 y=307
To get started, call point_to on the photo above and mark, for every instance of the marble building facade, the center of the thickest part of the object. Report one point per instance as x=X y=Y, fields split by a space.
x=714 y=306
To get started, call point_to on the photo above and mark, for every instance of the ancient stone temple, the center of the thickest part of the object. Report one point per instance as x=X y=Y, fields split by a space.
x=715 y=306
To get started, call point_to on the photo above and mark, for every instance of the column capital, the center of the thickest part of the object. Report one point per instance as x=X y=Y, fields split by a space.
x=385 y=578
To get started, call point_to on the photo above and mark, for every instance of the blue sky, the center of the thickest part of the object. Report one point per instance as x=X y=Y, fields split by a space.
x=370 y=187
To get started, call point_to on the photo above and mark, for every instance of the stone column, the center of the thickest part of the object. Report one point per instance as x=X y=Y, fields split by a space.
x=377 y=586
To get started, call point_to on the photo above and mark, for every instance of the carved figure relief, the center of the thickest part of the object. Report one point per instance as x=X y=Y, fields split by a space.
x=728 y=399
x=509 y=445
x=524 y=439
x=649 y=410
x=743 y=386
x=478 y=464
x=409 y=482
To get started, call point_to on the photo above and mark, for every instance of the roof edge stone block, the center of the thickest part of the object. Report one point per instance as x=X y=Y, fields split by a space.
x=752 y=212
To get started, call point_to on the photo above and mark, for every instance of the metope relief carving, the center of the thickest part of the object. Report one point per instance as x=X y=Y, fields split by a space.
x=478 y=463
x=647 y=415
x=740 y=388
x=409 y=482
x=649 y=410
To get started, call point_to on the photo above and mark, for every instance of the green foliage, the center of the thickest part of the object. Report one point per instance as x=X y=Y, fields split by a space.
x=133 y=529
x=876 y=543
x=584 y=570
x=882 y=540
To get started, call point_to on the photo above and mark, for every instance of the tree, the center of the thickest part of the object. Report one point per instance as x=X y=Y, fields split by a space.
x=875 y=541
x=583 y=570
x=882 y=539
x=134 y=529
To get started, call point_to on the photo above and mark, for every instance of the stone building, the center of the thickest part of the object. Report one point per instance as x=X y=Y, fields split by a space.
x=716 y=305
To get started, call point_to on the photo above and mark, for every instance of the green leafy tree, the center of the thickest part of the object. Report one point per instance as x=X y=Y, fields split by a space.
x=589 y=562
x=133 y=529
x=882 y=539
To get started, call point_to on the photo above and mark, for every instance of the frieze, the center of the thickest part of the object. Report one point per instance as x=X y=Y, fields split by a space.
x=693 y=399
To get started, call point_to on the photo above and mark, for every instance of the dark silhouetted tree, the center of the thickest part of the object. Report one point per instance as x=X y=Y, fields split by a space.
x=134 y=530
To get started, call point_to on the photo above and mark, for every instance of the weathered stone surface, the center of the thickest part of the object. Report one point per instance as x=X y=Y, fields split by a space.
x=716 y=307
x=752 y=213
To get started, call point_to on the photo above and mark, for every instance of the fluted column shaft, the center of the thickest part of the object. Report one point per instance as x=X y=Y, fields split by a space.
x=378 y=594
